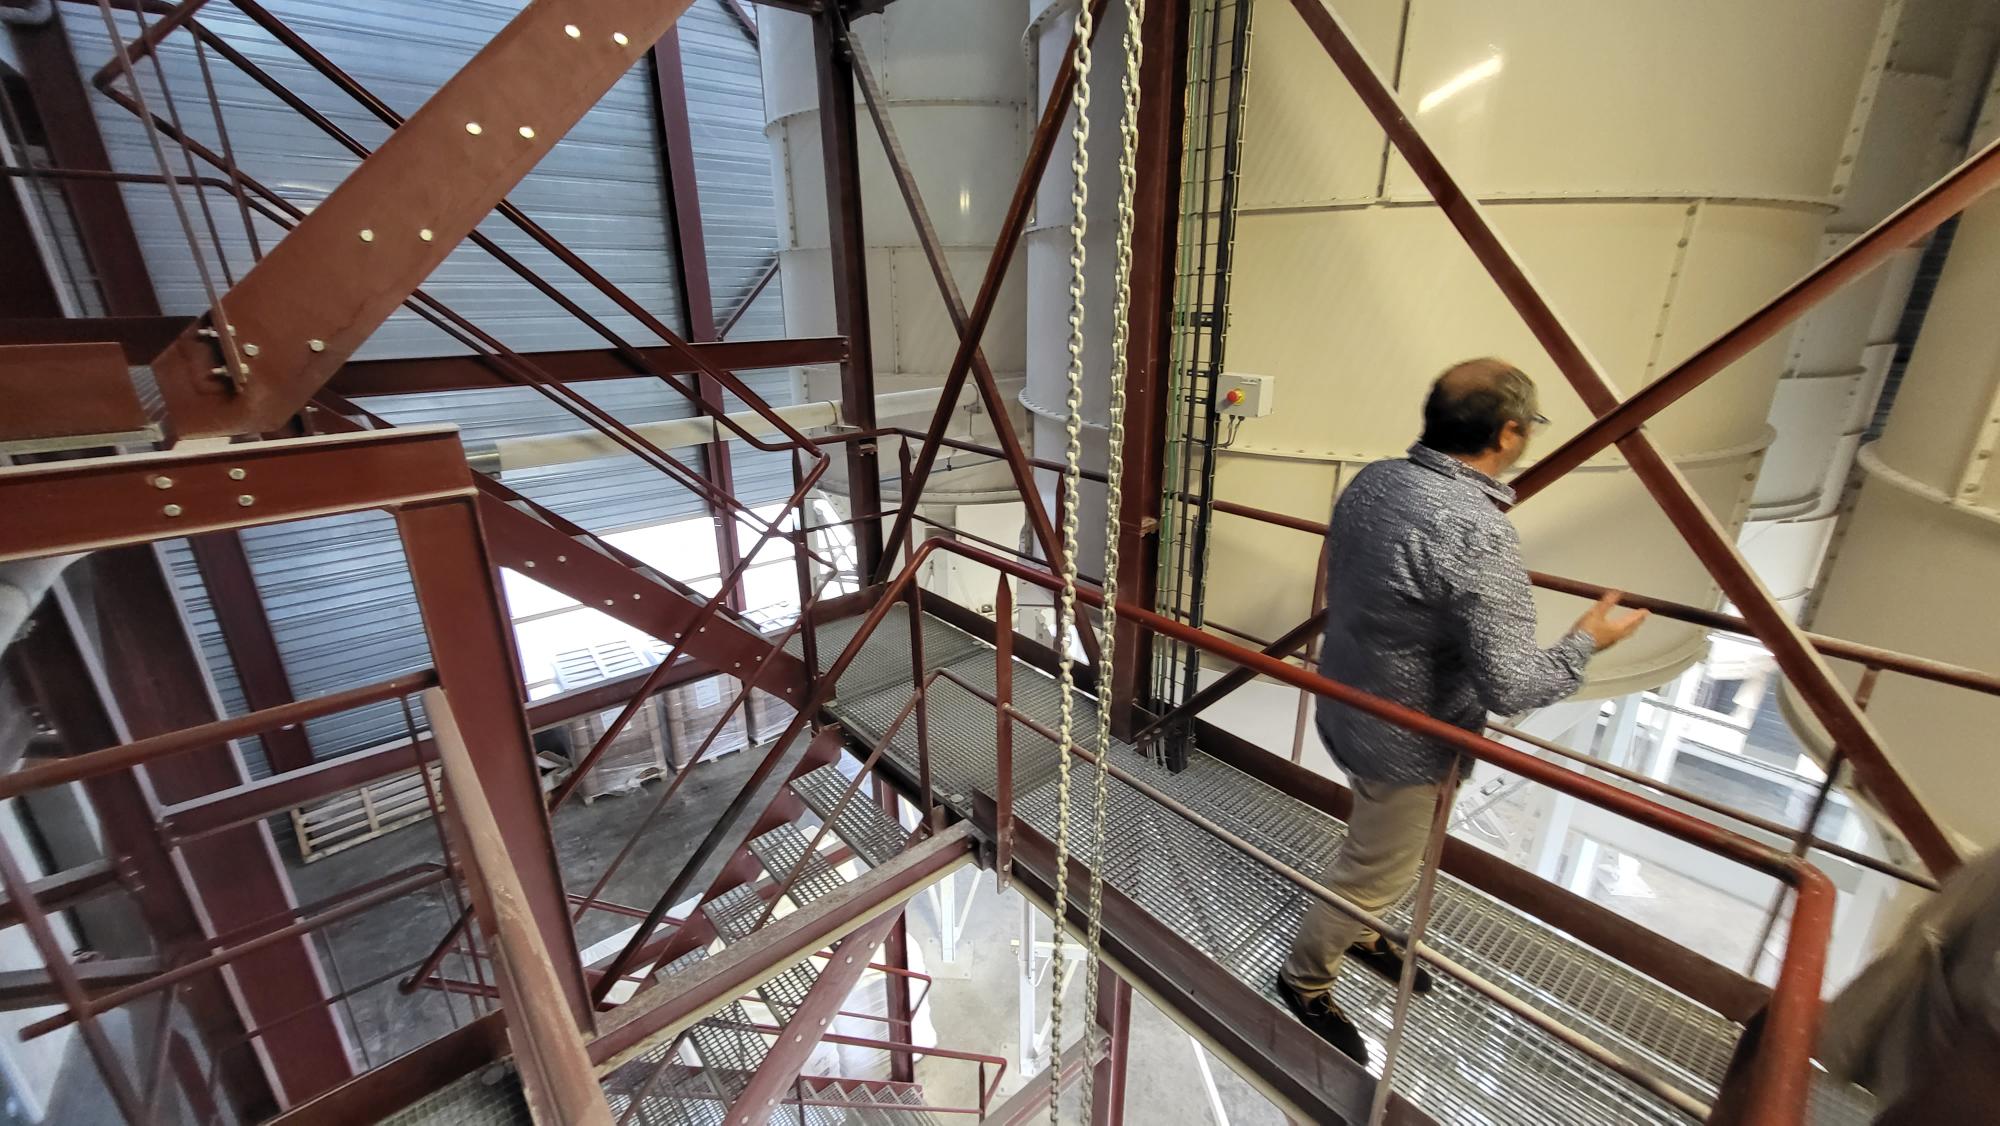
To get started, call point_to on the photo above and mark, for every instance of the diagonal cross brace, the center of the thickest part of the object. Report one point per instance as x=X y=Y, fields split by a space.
x=324 y=288
x=1703 y=533
x=795 y=1045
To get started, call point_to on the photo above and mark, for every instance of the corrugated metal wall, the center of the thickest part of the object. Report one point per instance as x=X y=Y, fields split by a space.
x=338 y=590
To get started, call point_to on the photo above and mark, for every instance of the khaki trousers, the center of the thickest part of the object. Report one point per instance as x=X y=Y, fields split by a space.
x=1375 y=868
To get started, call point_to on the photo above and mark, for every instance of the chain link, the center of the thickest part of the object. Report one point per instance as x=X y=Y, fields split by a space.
x=1128 y=128
x=1079 y=196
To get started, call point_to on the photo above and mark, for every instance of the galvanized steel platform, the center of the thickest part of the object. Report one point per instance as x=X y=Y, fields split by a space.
x=1465 y=1060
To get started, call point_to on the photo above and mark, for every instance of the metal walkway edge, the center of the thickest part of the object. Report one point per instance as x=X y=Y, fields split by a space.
x=1465 y=1060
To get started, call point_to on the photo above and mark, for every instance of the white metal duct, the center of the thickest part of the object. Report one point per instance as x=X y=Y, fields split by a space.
x=1654 y=208
x=953 y=77
x=1916 y=103
x=1916 y=562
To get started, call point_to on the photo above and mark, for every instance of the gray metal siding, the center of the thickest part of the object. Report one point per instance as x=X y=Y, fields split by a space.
x=598 y=190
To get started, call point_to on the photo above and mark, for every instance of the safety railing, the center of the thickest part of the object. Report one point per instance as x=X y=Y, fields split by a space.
x=86 y=1009
x=1874 y=661
x=1780 y=1069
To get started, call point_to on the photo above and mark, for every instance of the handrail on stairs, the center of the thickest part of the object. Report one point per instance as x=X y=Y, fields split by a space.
x=1780 y=1067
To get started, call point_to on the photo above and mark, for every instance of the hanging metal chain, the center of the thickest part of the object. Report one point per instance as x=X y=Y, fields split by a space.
x=1128 y=179
x=1079 y=196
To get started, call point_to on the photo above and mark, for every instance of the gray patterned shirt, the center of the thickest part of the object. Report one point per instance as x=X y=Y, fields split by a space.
x=1428 y=605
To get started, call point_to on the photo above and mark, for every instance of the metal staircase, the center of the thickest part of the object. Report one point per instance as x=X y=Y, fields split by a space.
x=1465 y=1059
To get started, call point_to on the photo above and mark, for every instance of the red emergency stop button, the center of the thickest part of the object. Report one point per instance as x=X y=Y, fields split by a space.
x=1234 y=397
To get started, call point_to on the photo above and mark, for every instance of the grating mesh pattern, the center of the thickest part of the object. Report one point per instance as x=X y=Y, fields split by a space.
x=885 y=657
x=472 y=1101
x=1465 y=1059
x=779 y=851
x=862 y=824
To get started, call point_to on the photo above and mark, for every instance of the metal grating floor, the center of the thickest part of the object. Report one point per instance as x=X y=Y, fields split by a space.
x=862 y=825
x=1465 y=1060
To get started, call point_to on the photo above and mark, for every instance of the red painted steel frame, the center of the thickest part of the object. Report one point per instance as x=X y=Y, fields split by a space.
x=1783 y=1070
x=418 y=474
x=1698 y=526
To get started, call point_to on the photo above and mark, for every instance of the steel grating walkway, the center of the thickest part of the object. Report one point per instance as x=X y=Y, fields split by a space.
x=1465 y=1060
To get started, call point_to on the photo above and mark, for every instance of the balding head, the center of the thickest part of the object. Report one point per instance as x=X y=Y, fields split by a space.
x=1471 y=404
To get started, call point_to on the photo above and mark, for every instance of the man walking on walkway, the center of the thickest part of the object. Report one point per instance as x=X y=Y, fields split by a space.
x=1428 y=605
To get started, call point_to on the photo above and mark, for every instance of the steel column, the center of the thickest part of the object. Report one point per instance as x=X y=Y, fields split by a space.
x=246 y=631
x=1114 y=1016
x=690 y=247
x=896 y=954
x=848 y=246
x=1148 y=347
x=62 y=102
x=69 y=688
x=235 y=877
x=471 y=642
x=1711 y=543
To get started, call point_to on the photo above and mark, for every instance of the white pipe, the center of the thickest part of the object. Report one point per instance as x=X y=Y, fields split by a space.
x=682 y=433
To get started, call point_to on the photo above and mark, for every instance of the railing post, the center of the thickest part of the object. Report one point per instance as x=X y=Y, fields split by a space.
x=808 y=631
x=1802 y=840
x=917 y=664
x=1003 y=734
x=1420 y=914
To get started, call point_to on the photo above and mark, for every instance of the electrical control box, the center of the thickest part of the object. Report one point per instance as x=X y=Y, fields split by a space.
x=1241 y=395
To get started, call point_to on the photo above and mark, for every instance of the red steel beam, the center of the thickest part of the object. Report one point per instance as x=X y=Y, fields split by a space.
x=848 y=248
x=1952 y=194
x=690 y=248
x=268 y=796
x=795 y=1045
x=122 y=501
x=1040 y=148
x=460 y=373
x=741 y=966
x=1710 y=541
x=527 y=546
x=235 y=877
x=253 y=649
x=325 y=287
x=60 y=390
x=140 y=338
x=1149 y=343
x=472 y=644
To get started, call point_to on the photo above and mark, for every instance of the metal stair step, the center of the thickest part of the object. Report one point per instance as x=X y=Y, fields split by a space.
x=780 y=850
x=862 y=825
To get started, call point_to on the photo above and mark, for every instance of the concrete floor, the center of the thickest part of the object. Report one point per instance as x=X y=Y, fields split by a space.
x=973 y=1006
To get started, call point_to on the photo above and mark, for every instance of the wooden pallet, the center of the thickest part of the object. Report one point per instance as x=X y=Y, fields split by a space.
x=349 y=819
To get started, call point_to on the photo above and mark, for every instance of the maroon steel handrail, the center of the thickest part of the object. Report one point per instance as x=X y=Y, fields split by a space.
x=1781 y=1081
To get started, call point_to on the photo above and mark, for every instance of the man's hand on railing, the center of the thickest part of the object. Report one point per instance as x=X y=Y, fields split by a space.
x=1605 y=630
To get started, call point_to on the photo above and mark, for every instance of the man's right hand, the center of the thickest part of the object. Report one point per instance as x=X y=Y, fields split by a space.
x=1606 y=630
